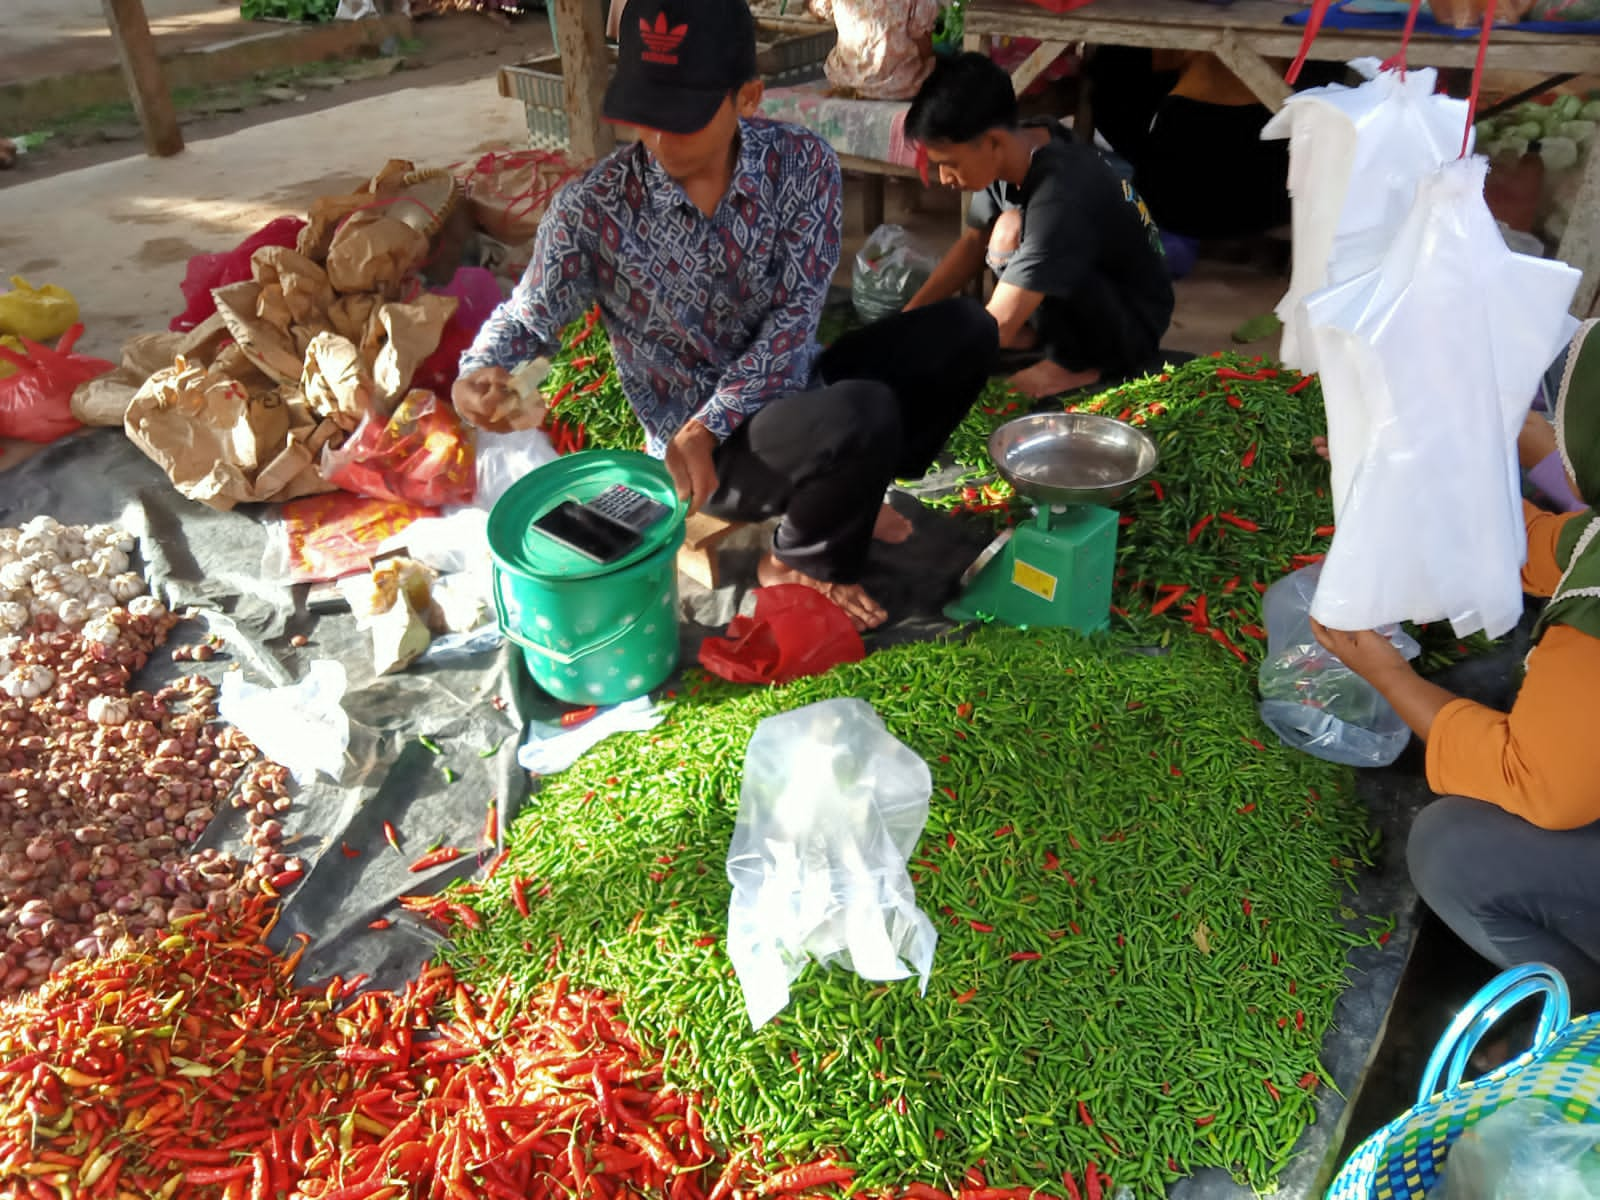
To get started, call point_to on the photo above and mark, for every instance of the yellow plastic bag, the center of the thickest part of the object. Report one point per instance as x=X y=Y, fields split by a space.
x=10 y=343
x=42 y=314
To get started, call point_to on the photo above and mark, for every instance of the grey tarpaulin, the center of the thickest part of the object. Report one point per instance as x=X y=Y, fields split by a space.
x=211 y=560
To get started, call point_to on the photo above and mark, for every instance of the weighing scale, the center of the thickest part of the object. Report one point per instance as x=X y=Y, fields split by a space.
x=1056 y=569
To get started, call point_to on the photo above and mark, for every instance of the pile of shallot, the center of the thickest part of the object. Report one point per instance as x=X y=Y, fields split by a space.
x=104 y=789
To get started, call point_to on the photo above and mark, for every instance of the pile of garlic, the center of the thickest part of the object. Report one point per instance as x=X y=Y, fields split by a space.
x=58 y=575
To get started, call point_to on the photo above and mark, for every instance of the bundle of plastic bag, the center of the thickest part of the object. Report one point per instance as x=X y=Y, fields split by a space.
x=830 y=810
x=1427 y=365
x=40 y=314
x=1310 y=699
x=1384 y=136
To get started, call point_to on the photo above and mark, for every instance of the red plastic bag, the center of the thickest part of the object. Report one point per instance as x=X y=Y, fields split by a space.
x=336 y=534
x=795 y=632
x=36 y=402
x=207 y=271
x=421 y=454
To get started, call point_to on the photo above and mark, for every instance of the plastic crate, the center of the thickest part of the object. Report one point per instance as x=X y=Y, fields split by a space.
x=787 y=53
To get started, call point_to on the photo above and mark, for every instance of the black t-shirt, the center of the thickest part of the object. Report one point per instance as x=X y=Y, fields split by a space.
x=1089 y=245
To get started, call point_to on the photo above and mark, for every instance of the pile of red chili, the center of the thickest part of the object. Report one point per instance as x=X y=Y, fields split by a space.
x=197 y=1069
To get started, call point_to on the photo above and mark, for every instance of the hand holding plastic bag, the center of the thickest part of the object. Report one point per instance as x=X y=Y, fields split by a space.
x=1310 y=699
x=830 y=810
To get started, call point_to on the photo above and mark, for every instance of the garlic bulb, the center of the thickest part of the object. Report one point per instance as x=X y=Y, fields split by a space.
x=109 y=710
x=27 y=683
x=42 y=524
x=72 y=611
x=70 y=582
x=146 y=606
x=126 y=586
x=13 y=617
x=14 y=576
x=102 y=632
x=100 y=603
x=110 y=561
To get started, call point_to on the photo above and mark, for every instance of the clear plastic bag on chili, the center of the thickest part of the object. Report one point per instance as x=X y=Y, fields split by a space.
x=1310 y=699
x=890 y=268
x=420 y=453
x=830 y=810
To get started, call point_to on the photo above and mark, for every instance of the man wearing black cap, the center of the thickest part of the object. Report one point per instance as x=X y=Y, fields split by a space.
x=710 y=246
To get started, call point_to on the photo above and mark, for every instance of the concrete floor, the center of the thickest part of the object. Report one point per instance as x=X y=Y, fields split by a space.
x=58 y=37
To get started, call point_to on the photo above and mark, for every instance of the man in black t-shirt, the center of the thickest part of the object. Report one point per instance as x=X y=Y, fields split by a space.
x=1081 y=277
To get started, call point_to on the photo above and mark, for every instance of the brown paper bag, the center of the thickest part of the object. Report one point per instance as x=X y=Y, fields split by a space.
x=328 y=211
x=104 y=401
x=293 y=281
x=508 y=193
x=270 y=347
x=373 y=252
x=350 y=314
x=217 y=443
x=336 y=382
x=399 y=338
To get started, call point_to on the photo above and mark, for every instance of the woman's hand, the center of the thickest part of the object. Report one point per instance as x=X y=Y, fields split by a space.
x=1366 y=652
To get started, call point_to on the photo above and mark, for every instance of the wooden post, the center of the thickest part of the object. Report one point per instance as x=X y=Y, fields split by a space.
x=141 y=66
x=585 y=67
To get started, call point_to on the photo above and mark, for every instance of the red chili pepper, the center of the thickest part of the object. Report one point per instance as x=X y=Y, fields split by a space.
x=1070 y=1185
x=1051 y=862
x=1003 y=831
x=1249 y=457
x=963 y=710
x=1174 y=593
x=390 y=836
x=1302 y=385
x=1246 y=376
x=1383 y=938
x=577 y=716
x=1226 y=643
x=1299 y=1021
x=437 y=858
x=1324 y=530
x=1309 y=1080
x=348 y=851
x=1234 y=401
x=1250 y=741
x=963 y=997
x=1239 y=522
x=1305 y=560
x=979 y=926
x=519 y=894
x=562 y=393
x=1161 y=493
x=380 y=923
x=1198 y=527
x=1271 y=1091
x=1092 y=1186
x=1083 y=1115
x=1245 y=903
x=1025 y=956
x=1175 y=772
x=1202 y=1122
x=1248 y=808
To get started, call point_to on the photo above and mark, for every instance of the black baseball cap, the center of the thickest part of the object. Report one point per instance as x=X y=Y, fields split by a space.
x=678 y=60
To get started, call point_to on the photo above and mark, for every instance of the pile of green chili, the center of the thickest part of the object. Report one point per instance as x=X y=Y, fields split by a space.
x=1139 y=906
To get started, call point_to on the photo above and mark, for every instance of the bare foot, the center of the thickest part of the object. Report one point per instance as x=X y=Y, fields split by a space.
x=1320 y=445
x=890 y=526
x=864 y=612
x=1045 y=379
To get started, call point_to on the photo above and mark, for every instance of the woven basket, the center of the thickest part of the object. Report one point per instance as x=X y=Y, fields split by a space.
x=1402 y=1160
x=426 y=200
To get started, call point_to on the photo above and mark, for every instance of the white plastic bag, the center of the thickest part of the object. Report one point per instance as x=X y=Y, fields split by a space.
x=302 y=726
x=1310 y=699
x=1355 y=158
x=1428 y=362
x=890 y=268
x=830 y=810
x=1526 y=1149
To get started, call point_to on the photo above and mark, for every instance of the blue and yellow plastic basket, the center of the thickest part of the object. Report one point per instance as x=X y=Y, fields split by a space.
x=1403 y=1159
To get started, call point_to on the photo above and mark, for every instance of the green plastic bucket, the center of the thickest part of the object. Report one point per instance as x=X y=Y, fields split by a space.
x=591 y=633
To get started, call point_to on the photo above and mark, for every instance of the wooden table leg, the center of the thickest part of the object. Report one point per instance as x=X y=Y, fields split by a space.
x=581 y=38
x=141 y=66
x=1580 y=244
x=1036 y=64
x=1254 y=72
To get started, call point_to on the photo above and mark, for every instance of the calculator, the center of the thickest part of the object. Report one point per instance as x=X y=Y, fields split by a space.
x=628 y=507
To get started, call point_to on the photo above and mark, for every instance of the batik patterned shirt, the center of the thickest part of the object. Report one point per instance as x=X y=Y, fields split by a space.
x=709 y=317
